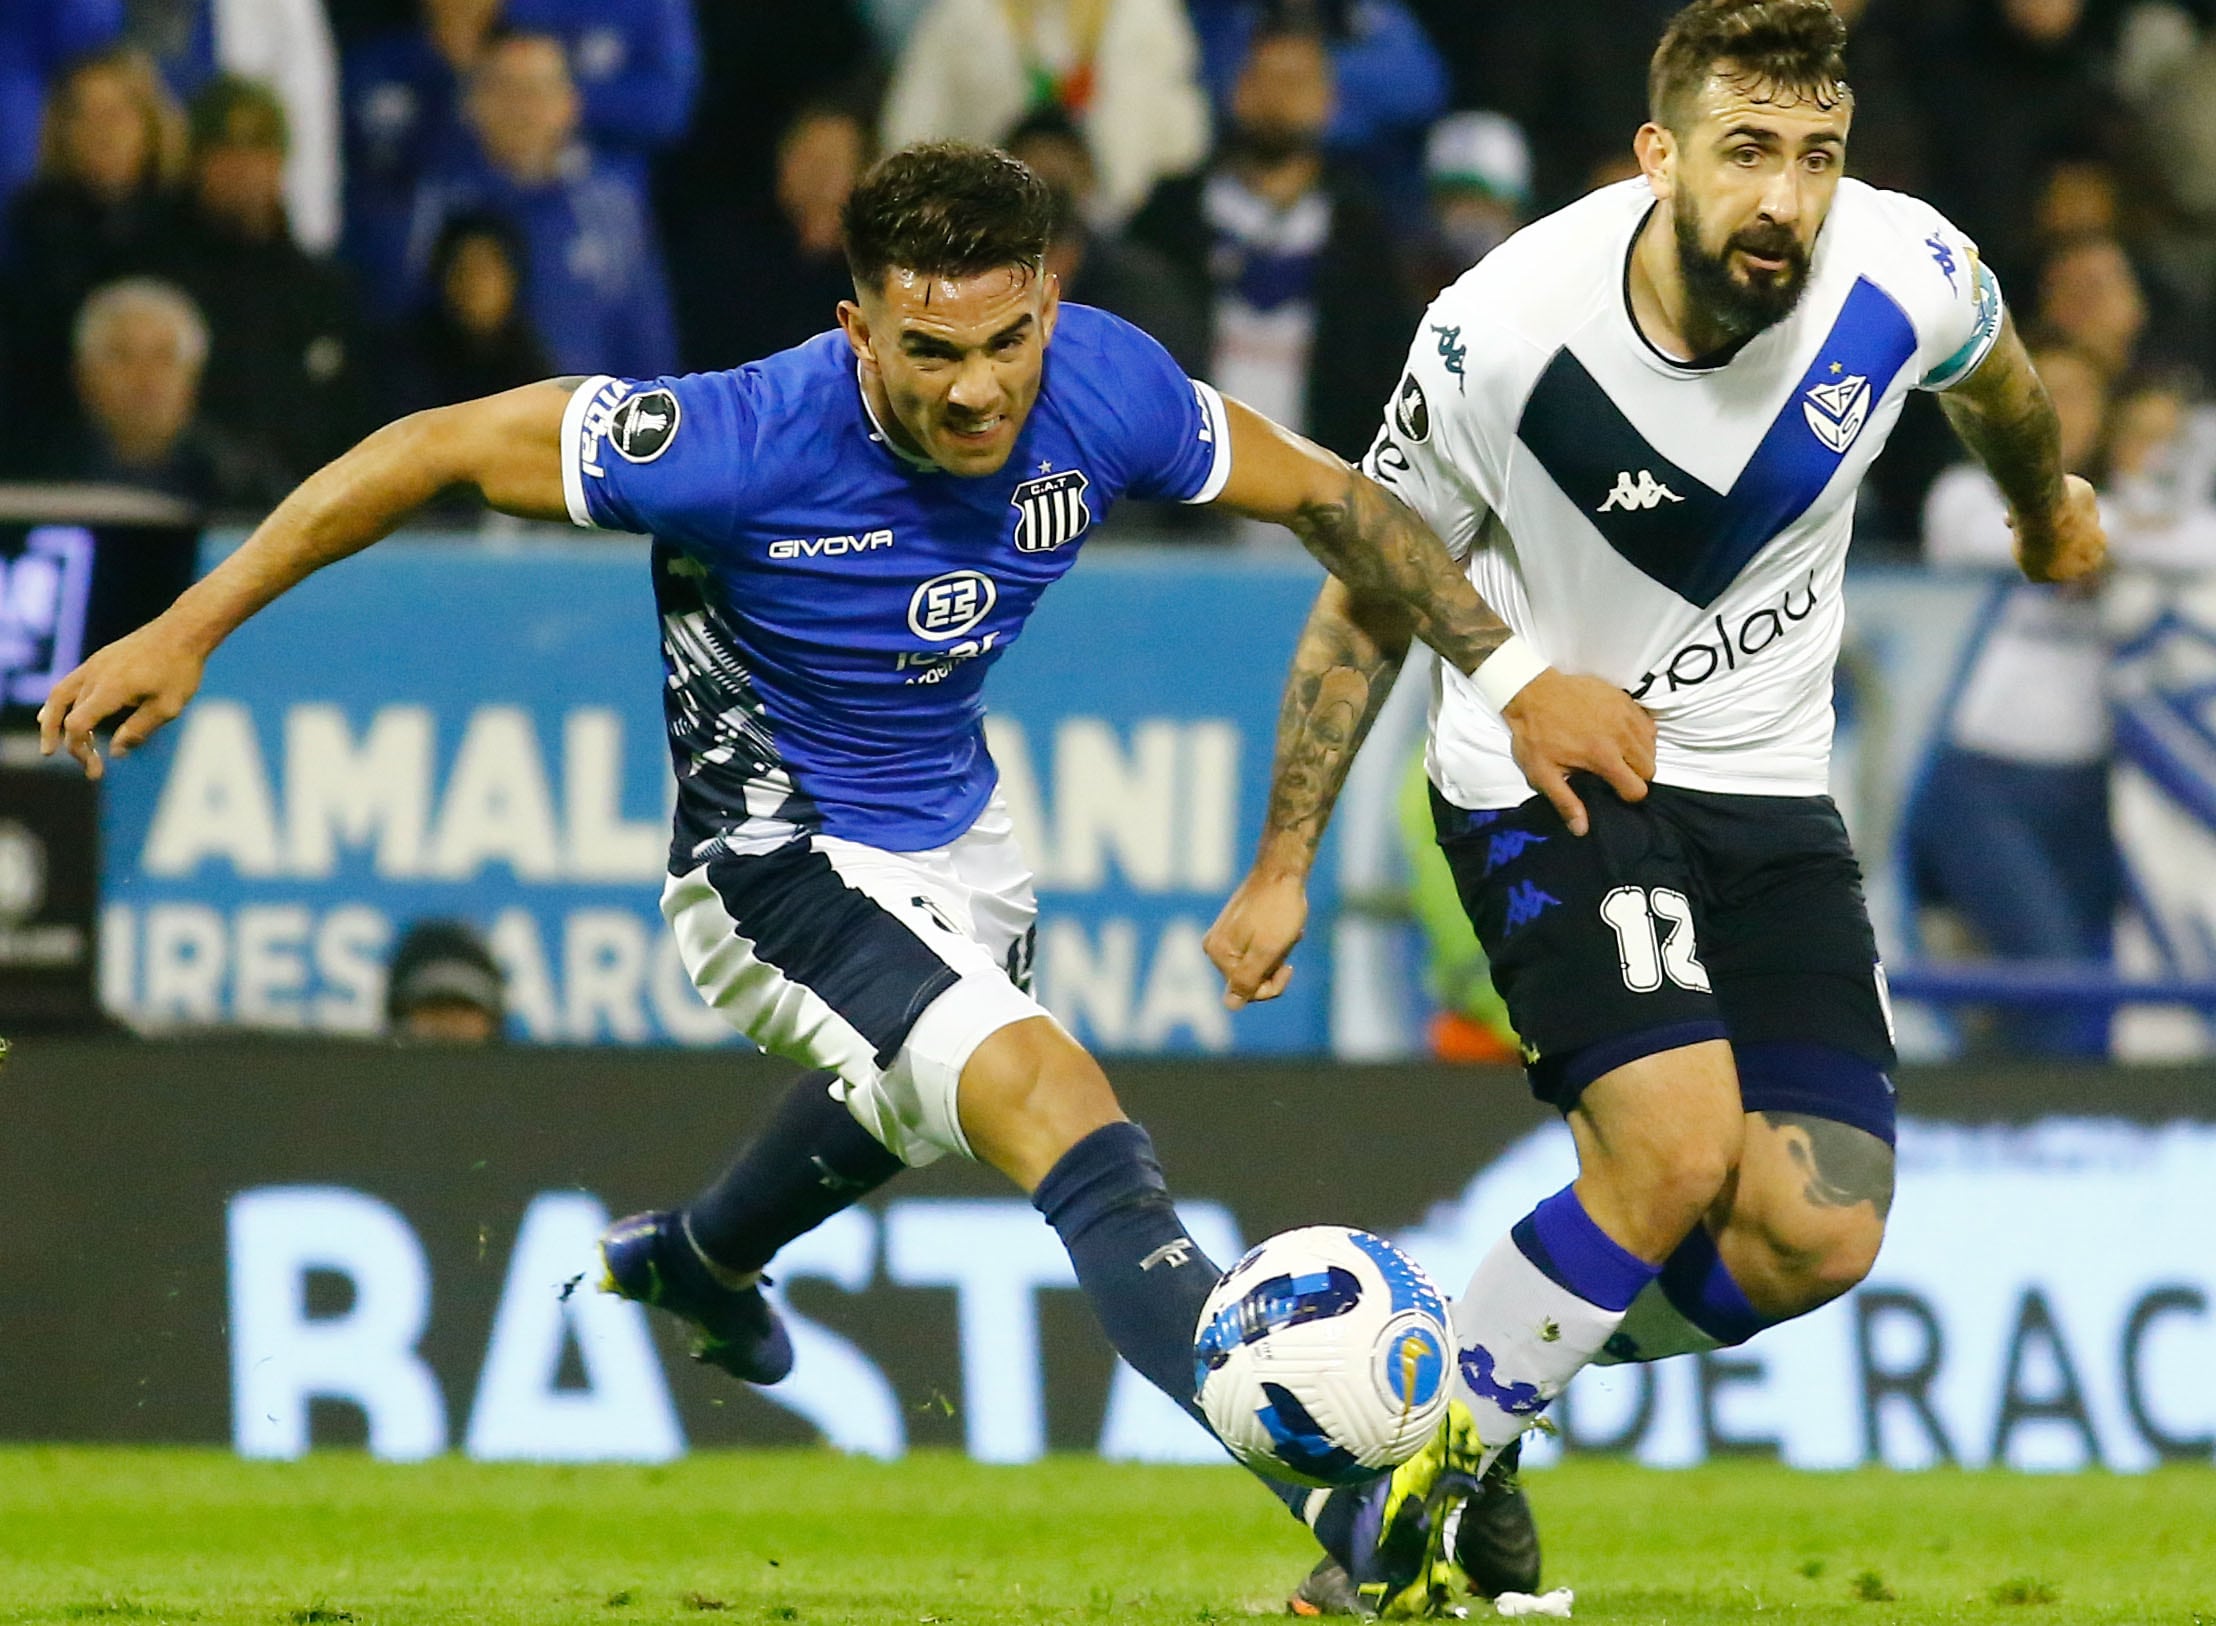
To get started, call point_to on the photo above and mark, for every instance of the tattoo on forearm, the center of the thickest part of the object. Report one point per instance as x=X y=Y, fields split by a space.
x=2004 y=416
x=1379 y=548
x=1842 y=1165
x=1341 y=675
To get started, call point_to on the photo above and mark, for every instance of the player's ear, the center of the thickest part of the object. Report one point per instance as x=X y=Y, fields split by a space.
x=1050 y=305
x=1656 y=150
x=854 y=321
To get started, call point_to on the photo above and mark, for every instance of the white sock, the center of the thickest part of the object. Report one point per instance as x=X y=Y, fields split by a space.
x=1521 y=1336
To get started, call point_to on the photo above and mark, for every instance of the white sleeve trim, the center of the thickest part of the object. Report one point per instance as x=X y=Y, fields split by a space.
x=1219 y=435
x=573 y=449
x=1991 y=313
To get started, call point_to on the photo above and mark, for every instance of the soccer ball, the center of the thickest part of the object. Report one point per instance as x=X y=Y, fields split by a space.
x=1324 y=1356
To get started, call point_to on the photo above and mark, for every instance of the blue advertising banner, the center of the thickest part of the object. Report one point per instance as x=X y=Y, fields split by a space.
x=449 y=728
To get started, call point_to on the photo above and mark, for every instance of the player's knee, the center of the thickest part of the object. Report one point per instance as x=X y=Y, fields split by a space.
x=1792 y=1261
x=1029 y=1092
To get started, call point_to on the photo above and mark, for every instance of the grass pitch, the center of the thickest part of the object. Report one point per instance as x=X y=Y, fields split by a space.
x=129 y=1537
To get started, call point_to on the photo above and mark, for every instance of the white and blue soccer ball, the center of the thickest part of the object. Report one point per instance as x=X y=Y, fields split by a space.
x=1324 y=1356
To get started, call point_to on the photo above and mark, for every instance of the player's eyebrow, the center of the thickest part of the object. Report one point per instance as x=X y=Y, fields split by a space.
x=930 y=344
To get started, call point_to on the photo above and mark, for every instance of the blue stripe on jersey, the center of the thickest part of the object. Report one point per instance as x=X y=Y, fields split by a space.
x=828 y=609
x=1677 y=530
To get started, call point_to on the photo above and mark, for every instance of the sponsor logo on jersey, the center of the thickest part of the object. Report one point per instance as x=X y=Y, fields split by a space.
x=1050 y=511
x=830 y=547
x=1695 y=663
x=643 y=425
x=1644 y=492
x=1836 y=411
x=948 y=606
x=1411 y=413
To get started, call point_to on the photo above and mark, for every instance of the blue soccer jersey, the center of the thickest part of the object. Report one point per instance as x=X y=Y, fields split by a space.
x=829 y=607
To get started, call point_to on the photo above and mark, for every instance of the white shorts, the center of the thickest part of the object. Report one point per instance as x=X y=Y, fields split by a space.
x=887 y=968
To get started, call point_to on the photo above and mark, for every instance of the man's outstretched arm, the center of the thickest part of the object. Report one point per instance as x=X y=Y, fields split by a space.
x=508 y=446
x=2003 y=415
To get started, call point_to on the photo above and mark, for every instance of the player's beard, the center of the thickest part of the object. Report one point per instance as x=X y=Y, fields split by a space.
x=1739 y=307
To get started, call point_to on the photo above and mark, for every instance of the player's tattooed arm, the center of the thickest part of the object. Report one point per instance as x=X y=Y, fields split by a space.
x=507 y=445
x=2004 y=416
x=1350 y=652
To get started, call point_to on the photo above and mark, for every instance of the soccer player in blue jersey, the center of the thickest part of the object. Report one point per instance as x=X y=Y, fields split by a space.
x=846 y=537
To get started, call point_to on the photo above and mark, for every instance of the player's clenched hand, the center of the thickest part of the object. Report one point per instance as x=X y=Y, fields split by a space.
x=145 y=678
x=1560 y=724
x=2067 y=545
x=1255 y=932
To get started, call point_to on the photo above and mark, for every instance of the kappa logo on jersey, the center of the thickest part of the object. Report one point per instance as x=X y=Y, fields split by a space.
x=1452 y=351
x=1050 y=511
x=643 y=425
x=948 y=606
x=1837 y=411
x=1644 y=492
x=1411 y=412
x=830 y=547
x=1942 y=253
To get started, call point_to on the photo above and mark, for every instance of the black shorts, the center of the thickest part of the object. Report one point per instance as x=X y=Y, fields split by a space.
x=1691 y=915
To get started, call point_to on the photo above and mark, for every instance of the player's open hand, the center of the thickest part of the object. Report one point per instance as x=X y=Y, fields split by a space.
x=144 y=678
x=1252 y=937
x=2068 y=545
x=1560 y=724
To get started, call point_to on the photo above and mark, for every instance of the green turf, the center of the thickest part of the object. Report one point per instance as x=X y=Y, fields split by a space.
x=136 y=1536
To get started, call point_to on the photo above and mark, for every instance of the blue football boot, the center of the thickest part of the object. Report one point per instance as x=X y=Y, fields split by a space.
x=648 y=1258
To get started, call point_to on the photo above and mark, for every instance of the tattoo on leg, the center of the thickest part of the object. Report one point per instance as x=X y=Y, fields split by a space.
x=1843 y=1165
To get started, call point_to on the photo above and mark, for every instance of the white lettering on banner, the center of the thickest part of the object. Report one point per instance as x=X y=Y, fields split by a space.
x=2046 y=1299
x=623 y=1412
x=1097 y=992
x=995 y=1254
x=215 y=802
x=834 y=1385
x=282 y=1358
x=1166 y=812
x=497 y=808
x=604 y=959
x=272 y=969
x=261 y=965
x=338 y=793
x=343 y=793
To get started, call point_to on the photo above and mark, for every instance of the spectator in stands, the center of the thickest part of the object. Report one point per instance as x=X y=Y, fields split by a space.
x=289 y=369
x=1125 y=70
x=140 y=348
x=793 y=266
x=2009 y=825
x=38 y=41
x=1097 y=265
x=111 y=153
x=283 y=44
x=1288 y=256
x=596 y=291
x=2089 y=294
x=2009 y=87
x=444 y=987
x=1479 y=171
x=1391 y=82
x=637 y=72
x=471 y=337
x=716 y=190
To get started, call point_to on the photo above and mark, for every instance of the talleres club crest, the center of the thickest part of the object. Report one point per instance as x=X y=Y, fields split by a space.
x=1050 y=511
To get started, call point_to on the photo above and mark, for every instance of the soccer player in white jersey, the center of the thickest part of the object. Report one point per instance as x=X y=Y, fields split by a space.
x=1642 y=421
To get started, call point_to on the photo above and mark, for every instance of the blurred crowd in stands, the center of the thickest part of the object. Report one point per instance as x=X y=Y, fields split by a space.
x=236 y=236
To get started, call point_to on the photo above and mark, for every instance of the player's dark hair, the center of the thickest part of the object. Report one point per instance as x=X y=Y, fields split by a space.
x=1791 y=48
x=946 y=209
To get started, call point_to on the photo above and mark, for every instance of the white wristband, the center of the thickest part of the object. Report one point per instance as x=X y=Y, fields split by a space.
x=1501 y=676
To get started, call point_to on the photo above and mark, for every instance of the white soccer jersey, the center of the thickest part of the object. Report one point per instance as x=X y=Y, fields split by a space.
x=1681 y=531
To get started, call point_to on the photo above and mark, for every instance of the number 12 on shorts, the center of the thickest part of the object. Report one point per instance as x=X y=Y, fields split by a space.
x=1637 y=915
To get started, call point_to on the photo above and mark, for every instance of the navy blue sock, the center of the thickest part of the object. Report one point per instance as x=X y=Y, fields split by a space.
x=809 y=1161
